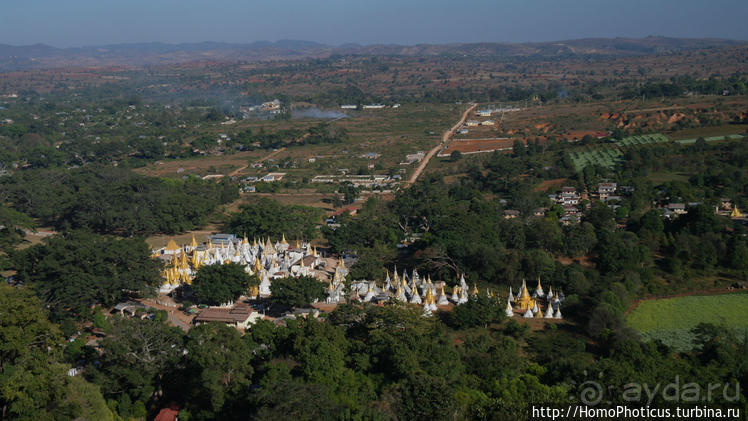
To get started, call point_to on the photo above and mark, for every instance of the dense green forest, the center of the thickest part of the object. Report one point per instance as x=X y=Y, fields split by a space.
x=114 y=201
x=363 y=362
x=266 y=217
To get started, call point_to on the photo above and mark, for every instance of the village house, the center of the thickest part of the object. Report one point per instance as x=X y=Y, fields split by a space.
x=606 y=189
x=675 y=209
x=414 y=157
x=273 y=176
x=370 y=155
x=540 y=212
x=569 y=196
x=511 y=214
x=239 y=316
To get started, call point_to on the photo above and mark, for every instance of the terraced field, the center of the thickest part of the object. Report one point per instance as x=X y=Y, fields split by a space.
x=603 y=156
x=642 y=140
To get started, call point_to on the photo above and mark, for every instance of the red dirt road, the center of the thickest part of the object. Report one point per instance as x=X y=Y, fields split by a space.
x=445 y=139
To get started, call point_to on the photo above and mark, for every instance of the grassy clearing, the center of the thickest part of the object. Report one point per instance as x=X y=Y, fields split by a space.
x=671 y=319
x=712 y=138
x=694 y=133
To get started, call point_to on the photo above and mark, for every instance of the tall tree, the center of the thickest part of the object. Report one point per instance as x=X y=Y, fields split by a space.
x=268 y=217
x=297 y=292
x=33 y=383
x=78 y=269
x=218 y=284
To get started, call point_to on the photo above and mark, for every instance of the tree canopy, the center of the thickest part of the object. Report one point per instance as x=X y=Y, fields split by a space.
x=110 y=200
x=297 y=292
x=34 y=383
x=266 y=217
x=78 y=269
x=219 y=284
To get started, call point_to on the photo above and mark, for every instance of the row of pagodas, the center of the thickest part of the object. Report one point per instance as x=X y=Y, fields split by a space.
x=414 y=289
x=404 y=288
x=538 y=304
x=267 y=260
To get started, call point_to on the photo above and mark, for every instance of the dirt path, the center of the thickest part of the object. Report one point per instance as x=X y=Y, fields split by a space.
x=266 y=157
x=445 y=139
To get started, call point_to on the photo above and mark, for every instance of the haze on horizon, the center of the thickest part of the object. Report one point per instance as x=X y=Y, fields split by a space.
x=76 y=23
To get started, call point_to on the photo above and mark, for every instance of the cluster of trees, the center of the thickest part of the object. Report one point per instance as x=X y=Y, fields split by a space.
x=321 y=133
x=220 y=284
x=34 y=381
x=111 y=200
x=360 y=362
x=266 y=217
x=455 y=229
x=76 y=270
x=677 y=86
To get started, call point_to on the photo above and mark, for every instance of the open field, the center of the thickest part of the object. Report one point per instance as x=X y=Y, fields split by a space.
x=712 y=138
x=477 y=146
x=723 y=130
x=671 y=319
x=204 y=165
x=389 y=133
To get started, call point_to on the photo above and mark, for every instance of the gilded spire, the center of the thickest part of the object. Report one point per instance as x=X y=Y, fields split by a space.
x=183 y=261
x=172 y=246
x=429 y=296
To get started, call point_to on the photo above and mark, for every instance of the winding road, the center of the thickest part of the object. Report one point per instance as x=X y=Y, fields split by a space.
x=445 y=139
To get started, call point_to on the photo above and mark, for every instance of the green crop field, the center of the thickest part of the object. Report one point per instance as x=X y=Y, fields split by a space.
x=642 y=140
x=713 y=138
x=671 y=319
x=603 y=156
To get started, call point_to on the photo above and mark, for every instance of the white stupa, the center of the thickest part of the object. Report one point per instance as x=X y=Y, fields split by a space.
x=455 y=294
x=415 y=298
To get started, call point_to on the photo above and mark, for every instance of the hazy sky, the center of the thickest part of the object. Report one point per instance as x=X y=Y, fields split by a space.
x=65 y=23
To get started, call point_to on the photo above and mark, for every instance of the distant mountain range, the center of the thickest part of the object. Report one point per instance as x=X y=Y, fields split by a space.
x=14 y=58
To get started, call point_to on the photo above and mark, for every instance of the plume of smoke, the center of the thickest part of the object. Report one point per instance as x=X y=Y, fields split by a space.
x=317 y=113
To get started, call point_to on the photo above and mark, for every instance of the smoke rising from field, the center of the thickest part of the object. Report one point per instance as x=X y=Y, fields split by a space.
x=317 y=113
